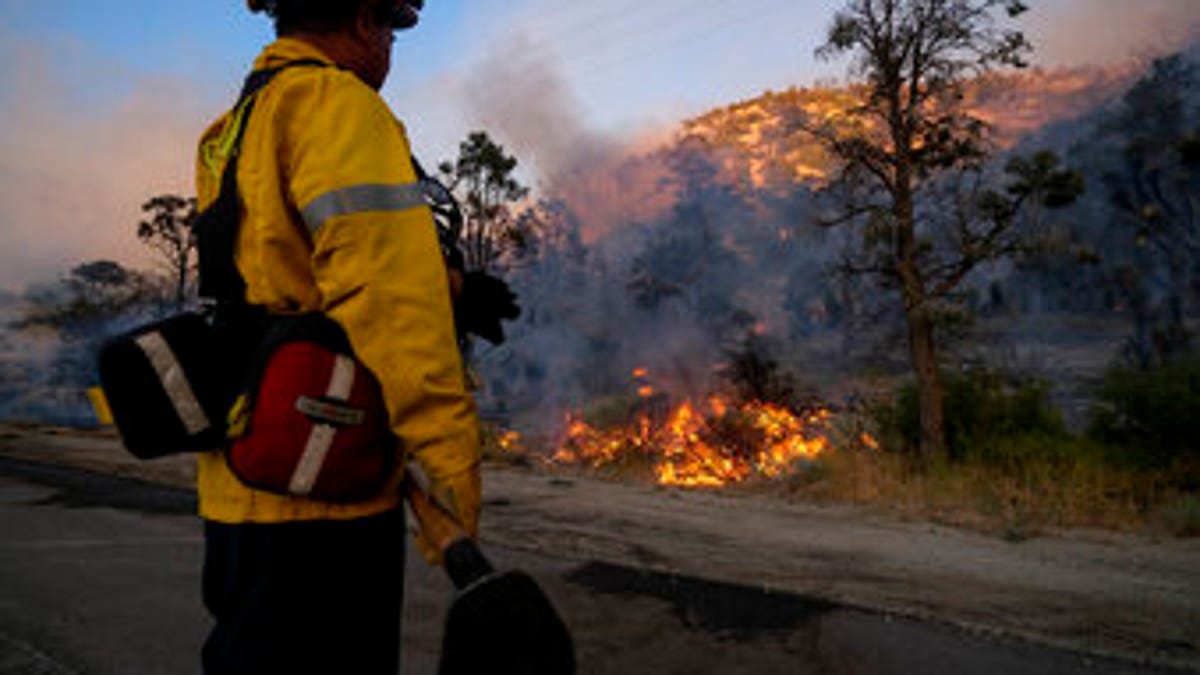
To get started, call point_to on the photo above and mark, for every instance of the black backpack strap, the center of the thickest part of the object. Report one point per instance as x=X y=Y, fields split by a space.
x=216 y=228
x=447 y=215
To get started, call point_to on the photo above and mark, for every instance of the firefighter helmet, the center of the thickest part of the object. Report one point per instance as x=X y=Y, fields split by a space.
x=404 y=14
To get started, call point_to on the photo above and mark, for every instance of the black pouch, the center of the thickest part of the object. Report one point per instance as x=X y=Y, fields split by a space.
x=170 y=385
x=166 y=386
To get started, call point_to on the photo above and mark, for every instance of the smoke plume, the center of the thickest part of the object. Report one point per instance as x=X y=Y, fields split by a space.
x=527 y=103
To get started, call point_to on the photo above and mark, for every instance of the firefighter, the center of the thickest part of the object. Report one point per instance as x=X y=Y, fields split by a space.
x=332 y=222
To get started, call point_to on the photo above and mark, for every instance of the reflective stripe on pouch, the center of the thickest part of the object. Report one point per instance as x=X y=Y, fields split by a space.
x=362 y=198
x=320 y=439
x=174 y=382
x=335 y=413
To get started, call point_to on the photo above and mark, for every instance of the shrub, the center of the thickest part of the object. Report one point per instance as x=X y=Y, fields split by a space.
x=1151 y=417
x=1025 y=485
x=982 y=409
x=1183 y=516
x=755 y=376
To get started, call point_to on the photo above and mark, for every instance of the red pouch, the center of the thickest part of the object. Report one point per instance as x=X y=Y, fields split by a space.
x=317 y=424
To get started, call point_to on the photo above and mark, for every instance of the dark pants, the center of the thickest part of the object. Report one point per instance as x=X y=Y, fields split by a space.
x=309 y=597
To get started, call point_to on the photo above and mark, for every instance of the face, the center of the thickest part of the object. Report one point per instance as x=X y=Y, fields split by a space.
x=375 y=38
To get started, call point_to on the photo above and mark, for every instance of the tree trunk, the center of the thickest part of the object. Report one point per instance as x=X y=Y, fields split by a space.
x=930 y=393
x=921 y=343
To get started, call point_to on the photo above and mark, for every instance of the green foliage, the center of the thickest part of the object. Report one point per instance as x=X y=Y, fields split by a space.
x=1050 y=447
x=987 y=417
x=1041 y=178
x=1154 y=415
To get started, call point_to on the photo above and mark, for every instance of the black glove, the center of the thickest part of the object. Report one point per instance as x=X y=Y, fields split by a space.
x=484 y=302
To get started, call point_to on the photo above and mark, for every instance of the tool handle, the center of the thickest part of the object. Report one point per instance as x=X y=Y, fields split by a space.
x=462 y=559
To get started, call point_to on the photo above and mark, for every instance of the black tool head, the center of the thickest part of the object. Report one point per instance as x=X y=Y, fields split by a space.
x=503 y=624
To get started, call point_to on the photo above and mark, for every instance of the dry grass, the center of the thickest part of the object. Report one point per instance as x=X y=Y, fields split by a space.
x=1016 y=500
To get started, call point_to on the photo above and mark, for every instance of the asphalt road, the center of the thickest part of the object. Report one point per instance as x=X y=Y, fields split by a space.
x=101 y=575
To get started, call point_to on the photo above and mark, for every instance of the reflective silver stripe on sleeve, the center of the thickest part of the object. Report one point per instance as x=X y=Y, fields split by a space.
x=320 y=439
x=174 y=382
x=360 y=199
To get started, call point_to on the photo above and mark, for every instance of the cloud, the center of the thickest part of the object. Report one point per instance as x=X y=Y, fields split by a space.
x=80 y=155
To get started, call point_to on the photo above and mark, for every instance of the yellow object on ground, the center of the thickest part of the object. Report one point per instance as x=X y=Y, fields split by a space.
x=334 y=221
x=100 y=405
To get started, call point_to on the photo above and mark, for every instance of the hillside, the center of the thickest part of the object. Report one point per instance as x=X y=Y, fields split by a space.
x=762 y=144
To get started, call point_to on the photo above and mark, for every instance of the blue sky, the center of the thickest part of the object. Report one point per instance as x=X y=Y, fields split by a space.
x=630 y=63
x=100 y=102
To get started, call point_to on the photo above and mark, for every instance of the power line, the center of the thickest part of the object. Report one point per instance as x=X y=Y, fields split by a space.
x=685 y=39
x=585 y=25
x=646 y=21
x=724 y=25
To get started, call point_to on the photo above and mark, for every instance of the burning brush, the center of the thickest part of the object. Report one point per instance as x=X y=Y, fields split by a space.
x=712 y=444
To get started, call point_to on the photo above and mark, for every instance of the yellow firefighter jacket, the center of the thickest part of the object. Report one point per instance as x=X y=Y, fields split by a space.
x=334 y=222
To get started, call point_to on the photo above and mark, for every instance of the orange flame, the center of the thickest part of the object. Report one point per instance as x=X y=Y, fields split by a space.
x=722 y=445
x=511 y=441
x=868 y=440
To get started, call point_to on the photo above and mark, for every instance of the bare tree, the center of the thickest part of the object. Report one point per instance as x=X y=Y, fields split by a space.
x=169 y=233
x=912 y=137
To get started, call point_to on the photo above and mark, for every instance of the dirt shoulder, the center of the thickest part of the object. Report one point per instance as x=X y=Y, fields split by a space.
x=1101 y=593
